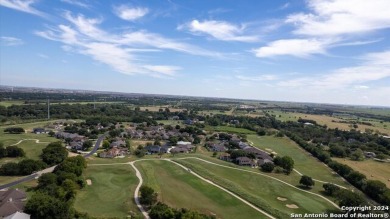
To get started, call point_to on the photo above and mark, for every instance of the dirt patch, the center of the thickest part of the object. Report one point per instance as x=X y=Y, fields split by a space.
x=89 y=182
x=71 y=154
x=282 y=199
x=292 y=206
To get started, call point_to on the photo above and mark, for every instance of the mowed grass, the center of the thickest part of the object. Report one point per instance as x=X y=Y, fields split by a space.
x=305 y=163
x=180 y=189
x=374 y=170
x=266 y=190
x=111 y=193
x=229 y=129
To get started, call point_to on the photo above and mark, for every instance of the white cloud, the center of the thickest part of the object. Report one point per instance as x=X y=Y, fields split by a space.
x=117 y=50
x=22 y=5
x=257 y=78
x=130 y=14
x=330 y=17
x=10 y=41
x=376 y=66
x=293 y=47
x=77 y=3
x=220 y=30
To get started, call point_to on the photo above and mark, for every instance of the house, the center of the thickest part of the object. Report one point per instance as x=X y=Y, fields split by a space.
x=153 y=149
x=179 y=150
x=76 y=145
x=18 y=215
x=11 y=201
x=245 y=161
x=189 y=122
x=113 y=152
x=260 y=154
x=217 y=148
x=183 y=143
x=118 y=143
x=263 y=161
x=225 y=157
x=40 y=131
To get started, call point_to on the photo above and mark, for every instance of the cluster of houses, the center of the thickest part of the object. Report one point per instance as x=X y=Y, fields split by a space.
x=75 y=140
x=261 y=157
x=181 y=147
x=156 y=132
x=117 y=149
x=12 y=202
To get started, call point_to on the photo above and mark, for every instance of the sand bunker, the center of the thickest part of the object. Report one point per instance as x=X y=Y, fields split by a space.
x=282 y=199
x=292 y=206
x=89 y=182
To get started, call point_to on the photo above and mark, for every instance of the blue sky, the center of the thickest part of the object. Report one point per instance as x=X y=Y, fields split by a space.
x=326 y=51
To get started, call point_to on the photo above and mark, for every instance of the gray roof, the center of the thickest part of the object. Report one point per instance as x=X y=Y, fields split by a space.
x=18 y=215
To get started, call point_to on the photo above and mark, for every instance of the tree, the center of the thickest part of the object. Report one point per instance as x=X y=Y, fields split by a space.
x=358 y=155
x=46 y=180
x=306 y=181
x=15 y=151
x=42 y=205
x=287 y=163
x=215 y=154
x=54 y=153
x=161 y=211
x=375 y=189
x=51 y=133
x=196 y=140
x=106 y=144
x=28 y=166
x=330 y=189
x=147 y=197
x=87 y=145
x=348 y=198
x=267 y=167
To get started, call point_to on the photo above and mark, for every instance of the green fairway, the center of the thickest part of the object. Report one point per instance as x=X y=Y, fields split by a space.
x=111 y=193
x=261 y=190
x=304 y=162
x=178 y=188
x=8 y=103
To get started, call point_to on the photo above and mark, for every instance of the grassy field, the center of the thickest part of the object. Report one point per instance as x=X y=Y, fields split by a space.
x=331 y=122
x=111 y=192
x=304 y=162
x=157 y=108
x=170 y=122
x=178 y=188
x=263 y=190
x=374 y=170
x=8 y=103
x=229 y=129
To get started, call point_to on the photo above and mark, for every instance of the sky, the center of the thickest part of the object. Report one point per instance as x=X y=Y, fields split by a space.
x=323 y=51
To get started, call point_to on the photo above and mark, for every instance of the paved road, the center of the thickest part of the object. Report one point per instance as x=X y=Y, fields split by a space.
x=50 y=169
x=136 y=192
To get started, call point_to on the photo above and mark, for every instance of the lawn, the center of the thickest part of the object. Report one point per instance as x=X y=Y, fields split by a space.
x=229 y=129
x=170 y=122
x=180 y=189
x=261 y=190
x=111 y=192
x=304 y=162
x=373 y=170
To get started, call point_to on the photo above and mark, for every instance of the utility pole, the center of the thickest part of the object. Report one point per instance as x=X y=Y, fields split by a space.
x=48 y=109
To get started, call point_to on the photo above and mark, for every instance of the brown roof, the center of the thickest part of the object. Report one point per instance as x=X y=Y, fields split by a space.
x=10 y=207
x=13 y=194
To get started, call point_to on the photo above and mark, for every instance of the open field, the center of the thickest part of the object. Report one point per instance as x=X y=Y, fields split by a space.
x=261 y=190
x=331 y=122
x=111 y=192
x=170 y=122
x=229 y=129
x=373 y=170
x=178 y=188
x=8 y=103
x=304 y=162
